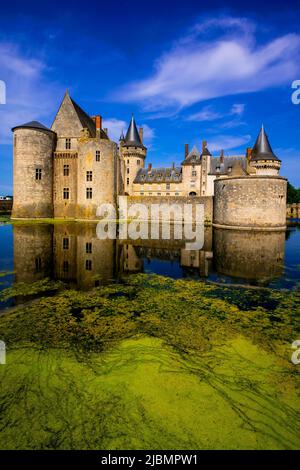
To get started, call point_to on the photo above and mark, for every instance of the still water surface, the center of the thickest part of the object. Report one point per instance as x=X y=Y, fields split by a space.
x=72 y=253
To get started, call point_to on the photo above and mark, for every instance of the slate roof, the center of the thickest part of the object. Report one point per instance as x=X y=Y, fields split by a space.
x=229 y=162
x=193 y=157
x=159 y=175
x=87 y=121
x=262 y=149
x=132 y=138
x=33 y=125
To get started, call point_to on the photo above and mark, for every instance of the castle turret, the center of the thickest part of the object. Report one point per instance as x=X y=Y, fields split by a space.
x=246 y=200
x=33 y=171
x=133 y=152
x=263 y=158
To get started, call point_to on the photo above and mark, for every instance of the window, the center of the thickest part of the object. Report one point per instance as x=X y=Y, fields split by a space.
x=138 y=162
x=66 y=193
x=89 y=193
x=38 y=264
x=38 y=174
x=88 y=247
x=89 y=176
x=167 y=194
x=88 y=265
x=65 y=266
x=159 y=194
x=68 y=144
x=194 y=173
x=127 y=162
x=97 y=155
x=168 y=186
x=65 y=243
x=66 y=170
x=176 y=194
x=127 y=180
x=127 y=171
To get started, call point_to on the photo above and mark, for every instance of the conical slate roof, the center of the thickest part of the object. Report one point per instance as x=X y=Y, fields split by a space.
x=32 y=125
x=262 y=149
x=132 y=137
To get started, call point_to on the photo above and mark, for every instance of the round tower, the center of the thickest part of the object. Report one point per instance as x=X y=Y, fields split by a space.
x=133 y=153
x=33 y=171
x=254 y=200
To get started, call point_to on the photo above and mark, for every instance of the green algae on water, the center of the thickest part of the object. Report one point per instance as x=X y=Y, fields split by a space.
x=152 y=363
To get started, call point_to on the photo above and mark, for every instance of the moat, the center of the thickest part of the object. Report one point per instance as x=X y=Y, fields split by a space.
x=72 y=253
x=118 y=344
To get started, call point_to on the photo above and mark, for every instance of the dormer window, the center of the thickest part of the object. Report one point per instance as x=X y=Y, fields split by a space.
x=68 y=144
x=218 y=169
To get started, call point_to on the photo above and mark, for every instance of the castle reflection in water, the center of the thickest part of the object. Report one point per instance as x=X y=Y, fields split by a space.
x=71 y=252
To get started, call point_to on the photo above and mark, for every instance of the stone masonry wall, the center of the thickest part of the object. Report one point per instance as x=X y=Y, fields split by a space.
x=33 y=150
x=180 y=201
x=252 y=202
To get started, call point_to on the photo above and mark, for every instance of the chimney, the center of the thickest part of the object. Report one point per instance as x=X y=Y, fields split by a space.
x=222 y=156
x=248 y=153
x=98 y=122
x=186 y=150
x=149 y=166
x=204 y=144
x=141 y=133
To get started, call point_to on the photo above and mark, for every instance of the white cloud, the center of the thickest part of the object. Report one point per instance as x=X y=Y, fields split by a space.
x=29 y=95
x=208 y=113
x=117 y=126
x=203 y=65
x=227 y=142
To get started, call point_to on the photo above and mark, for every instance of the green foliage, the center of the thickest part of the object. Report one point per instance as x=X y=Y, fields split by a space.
x=293 y=194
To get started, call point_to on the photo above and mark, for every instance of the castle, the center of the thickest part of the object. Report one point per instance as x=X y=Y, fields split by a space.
x=69 y=170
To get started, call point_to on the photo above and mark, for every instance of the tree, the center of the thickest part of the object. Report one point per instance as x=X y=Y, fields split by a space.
x=293 y=194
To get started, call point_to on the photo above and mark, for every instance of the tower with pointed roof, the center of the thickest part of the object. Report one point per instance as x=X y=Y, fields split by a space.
x=66 y=171
x=133 y=154
x=252 y=196
x=263 y=158
x=33 y=171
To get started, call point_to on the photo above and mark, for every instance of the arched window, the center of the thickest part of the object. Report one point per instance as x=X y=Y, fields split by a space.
x=192 y=193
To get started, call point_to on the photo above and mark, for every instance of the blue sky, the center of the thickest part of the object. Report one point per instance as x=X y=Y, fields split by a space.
x=188 y=70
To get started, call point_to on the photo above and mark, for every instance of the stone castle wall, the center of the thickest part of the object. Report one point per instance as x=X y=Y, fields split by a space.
x=179 y=201
x=293 y=211
x=250 y=202
x=33 y=150
x=104 y=176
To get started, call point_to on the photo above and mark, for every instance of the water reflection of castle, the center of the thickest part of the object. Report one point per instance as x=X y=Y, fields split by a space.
x=71 y=252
